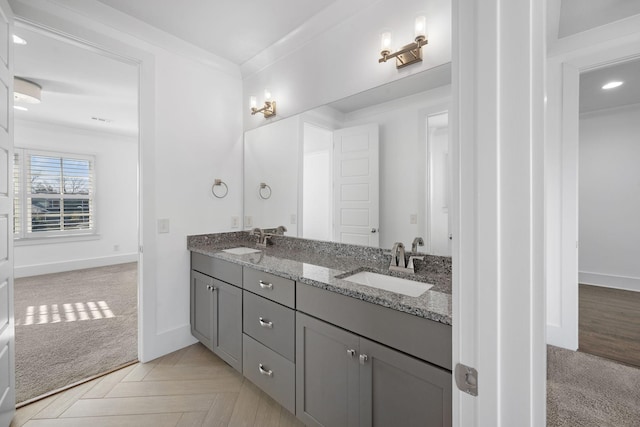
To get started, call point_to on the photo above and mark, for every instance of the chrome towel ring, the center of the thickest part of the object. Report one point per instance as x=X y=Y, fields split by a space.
x=264 y=191
x=220 y=194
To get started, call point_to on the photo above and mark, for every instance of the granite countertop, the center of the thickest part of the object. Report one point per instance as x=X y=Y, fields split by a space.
x=322 y=264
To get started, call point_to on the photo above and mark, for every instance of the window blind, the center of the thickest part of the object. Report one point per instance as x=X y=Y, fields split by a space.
x=55 y=194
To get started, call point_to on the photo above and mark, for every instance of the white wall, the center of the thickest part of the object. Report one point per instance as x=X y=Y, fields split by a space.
x=317 y=194
x=609 y=198
x=344 y=60
x=116 y=200
x=191 y=133
x=272 y=156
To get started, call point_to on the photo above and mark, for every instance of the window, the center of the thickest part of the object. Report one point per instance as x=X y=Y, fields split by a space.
x=54 y=194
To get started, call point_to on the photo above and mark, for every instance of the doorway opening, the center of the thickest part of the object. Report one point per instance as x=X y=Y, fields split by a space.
x=438 y=179
x=76 y=213
x=608 y=212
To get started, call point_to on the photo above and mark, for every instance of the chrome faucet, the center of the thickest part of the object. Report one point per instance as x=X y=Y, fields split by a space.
x=398 y=262
x=262 y=237
x=397 y=256
x=418 y=241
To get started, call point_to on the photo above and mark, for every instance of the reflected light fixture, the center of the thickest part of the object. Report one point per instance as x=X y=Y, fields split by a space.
x=269 y=108
x=26 y=91
x=612 y=85
x=409 y=54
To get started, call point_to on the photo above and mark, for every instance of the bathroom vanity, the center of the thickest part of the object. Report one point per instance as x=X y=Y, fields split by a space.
x=329 y=350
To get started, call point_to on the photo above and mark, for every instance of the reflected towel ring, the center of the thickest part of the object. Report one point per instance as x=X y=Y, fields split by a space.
x=262 y=193
x=218 y=182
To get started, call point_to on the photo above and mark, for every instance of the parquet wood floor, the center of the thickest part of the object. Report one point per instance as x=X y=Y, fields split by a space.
x=191 y=387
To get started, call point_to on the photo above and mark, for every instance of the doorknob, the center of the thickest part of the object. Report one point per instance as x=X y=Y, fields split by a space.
x=374 y=230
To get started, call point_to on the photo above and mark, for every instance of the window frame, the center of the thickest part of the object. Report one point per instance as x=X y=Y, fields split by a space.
x=22 y=196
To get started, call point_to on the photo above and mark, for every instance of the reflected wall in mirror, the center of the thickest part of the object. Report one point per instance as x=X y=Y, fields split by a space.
x=371 y=169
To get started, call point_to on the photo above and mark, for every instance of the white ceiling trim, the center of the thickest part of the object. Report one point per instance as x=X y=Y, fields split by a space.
x=320 y=23
x=590 y=113
x=110 y=19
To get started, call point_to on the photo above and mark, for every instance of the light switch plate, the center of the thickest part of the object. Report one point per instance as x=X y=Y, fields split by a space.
x=293 y=219
x=163 y=225
x=413 y=219
x=248 y=221
x=235 y=222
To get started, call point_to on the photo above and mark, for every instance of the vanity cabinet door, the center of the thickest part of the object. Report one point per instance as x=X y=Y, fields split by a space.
x=202 y=308
x=227 y=323
x=397 y=389
x=326 y=374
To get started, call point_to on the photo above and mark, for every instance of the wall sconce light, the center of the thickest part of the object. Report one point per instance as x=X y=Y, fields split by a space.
x=410 y=53
x=269 y=108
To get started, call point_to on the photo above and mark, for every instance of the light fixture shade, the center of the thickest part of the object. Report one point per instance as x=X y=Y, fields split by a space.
x=253 y=102
x=385 y=41
x=26 y=91
x=420 y=29
x=267 y=94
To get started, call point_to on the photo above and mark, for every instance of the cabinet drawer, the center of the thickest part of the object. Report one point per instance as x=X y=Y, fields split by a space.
x=270 y=323
x=274 y=374
x=220 y=269
x=269 y=286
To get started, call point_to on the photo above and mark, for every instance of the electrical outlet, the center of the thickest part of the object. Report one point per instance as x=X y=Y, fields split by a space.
x=235 y=222
x=413 y=219
x=293 y=219
x=116 y=248
x=163 y=225
x=248 y=221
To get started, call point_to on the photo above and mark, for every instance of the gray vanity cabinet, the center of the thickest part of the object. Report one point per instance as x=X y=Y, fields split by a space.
x=343 y=379
x=216 y=308
x=201 y=308
x=327 y=372
x=397 y=389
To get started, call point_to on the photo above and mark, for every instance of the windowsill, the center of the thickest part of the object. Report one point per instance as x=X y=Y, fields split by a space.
x=56 y=239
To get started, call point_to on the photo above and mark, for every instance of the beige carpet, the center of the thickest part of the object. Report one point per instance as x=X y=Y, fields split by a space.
x=70 y=326
x=590 y=391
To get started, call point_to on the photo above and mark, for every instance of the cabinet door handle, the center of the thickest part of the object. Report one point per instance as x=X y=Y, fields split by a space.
x=265 y=323
x=264 y=285
x=351 y=353
x=263 y=371
x=363 y=359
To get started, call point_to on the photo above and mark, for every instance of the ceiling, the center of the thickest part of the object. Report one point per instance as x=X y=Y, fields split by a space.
x=233 y=29
x=581 y=15
x=84 y=84
x=593 y=97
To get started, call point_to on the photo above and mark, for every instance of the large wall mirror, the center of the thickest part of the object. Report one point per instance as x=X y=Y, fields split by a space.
x=371 y=169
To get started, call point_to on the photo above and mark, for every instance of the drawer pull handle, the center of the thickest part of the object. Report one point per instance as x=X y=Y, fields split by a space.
x=363 y=359
x=265 y=323
x=263 y=371
x=351 y=353
x=265 y=285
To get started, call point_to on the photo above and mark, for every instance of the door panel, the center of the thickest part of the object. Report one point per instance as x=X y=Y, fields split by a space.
x=227 y=323
x=356 y=185
x=7 y=336
x=202 y=308
x=326 y=375
x=396 y=389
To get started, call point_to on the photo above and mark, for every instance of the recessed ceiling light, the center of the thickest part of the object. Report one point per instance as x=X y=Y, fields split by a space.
x=611 y=85
x=19 y=40
x=19 y=107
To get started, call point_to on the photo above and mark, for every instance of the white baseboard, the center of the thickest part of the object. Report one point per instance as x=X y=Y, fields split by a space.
x=610 y=281
x=58 y=267
x=165 y=343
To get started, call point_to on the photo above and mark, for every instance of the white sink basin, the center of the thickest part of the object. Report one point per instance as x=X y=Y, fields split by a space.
x=241 y=251
x=389 y=283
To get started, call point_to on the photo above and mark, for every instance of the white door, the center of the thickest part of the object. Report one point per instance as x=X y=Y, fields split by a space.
x=356 y=195
x=7 y=338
